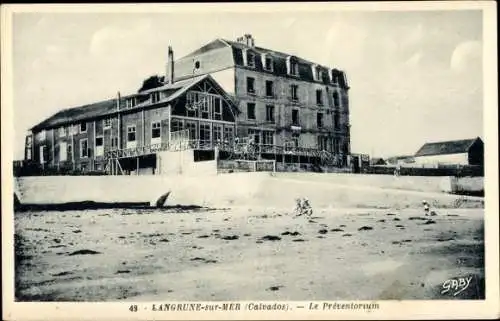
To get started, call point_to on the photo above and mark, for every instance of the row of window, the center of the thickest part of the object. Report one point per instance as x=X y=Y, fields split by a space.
x=292 y=67
x=294 y=92
x=270 y=116
x=204 y=133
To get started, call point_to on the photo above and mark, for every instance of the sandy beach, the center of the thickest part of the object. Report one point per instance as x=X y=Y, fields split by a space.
x=248 y=253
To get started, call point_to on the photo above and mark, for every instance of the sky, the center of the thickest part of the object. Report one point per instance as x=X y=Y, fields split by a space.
x=415 y=76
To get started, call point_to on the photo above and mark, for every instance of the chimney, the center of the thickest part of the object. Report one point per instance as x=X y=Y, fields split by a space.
x=169 y=77
x=118 y=99
x=247 y=40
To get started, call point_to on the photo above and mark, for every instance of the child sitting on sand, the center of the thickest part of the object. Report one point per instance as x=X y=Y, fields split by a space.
x=302 y=207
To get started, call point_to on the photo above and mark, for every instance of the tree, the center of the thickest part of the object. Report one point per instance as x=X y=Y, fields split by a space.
x=152 y=82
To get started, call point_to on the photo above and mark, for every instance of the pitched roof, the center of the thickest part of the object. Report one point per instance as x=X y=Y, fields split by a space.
x=279 y=58
x=75 y=114
x=216 y=44
x=107 y=107
x=447 y=147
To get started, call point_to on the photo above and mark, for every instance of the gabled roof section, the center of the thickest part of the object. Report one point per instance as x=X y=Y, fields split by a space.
x=215 y=44
x=447 y=147
x=108 y=107
x=75 y=114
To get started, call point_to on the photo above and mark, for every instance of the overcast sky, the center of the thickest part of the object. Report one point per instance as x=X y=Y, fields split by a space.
x=414 y=76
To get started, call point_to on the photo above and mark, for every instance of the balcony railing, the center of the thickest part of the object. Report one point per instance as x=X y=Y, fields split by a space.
x=235 y=148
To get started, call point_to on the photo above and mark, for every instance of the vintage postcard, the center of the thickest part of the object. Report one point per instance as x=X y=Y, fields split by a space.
x=250 y=161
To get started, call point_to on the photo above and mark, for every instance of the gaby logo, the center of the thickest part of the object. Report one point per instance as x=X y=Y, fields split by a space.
x=456 y=286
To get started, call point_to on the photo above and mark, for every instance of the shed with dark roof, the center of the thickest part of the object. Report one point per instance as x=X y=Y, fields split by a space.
x=459 y=152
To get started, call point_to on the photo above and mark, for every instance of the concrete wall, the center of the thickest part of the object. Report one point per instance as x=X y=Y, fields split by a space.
x=467 y=184
x=237 y=189
x=182 y=163
x=461 y=158
x=412 y=183
x=220 y=190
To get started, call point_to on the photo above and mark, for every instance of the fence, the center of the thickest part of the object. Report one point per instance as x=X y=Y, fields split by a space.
x=35 y=169
x=247 y=165
x=441 y=170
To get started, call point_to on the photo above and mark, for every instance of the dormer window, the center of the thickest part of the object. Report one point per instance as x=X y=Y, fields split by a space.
x=319 y=74
x=250 y=59
x=130 y=102
x=155 y=97
x=267 y=62
x=292 y=66
x=334 y=77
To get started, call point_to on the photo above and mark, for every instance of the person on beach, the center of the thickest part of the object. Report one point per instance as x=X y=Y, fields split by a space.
x=302 y=207
x=426 y=207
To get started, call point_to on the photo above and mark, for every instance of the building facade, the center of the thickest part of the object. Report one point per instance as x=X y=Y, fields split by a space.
x=123 y=135
x=284 y=100
x=224 y=92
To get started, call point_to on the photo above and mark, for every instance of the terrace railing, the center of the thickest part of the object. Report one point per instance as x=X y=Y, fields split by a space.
x=237 y=149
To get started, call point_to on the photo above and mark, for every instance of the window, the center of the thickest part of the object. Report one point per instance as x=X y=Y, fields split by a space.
x=319 y=97
x=42 y=155
x=99 y=146
x=269 y=88
x=336 y=146
x=83 y=127
x=250 y=111
x=217 y=129
x=131 y=133
x=268 y=64
x=130 y=102
x=270 y=113
x=177 y=125
x=250 y=59
x=205 y=108
x=335 y=79
x=156 y=129
x=268 y=138
x=205 y=132
x=228 y=134
x=106 y=123
x=114 y=142
x=250 y=85
x=62 y=131
x=295 y=117
x=63 y=151
x=218 y=109
x=70 y=150
x=336 y=121
x=294 y=68
x=294 y=92
x=319 y=120
x=192 y=130
x=255 y=135
x=84 y=152
x=42 y=135
x=322 y=142
x=155 y=97
x=319 y=74
x=336 y=102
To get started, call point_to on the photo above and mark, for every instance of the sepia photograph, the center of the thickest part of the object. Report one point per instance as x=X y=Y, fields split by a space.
x=308 y=153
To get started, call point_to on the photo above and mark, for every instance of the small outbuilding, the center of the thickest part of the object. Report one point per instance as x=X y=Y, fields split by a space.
x=453 y=152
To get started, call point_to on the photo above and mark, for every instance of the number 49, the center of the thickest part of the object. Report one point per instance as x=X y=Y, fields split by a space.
x=133 y=308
